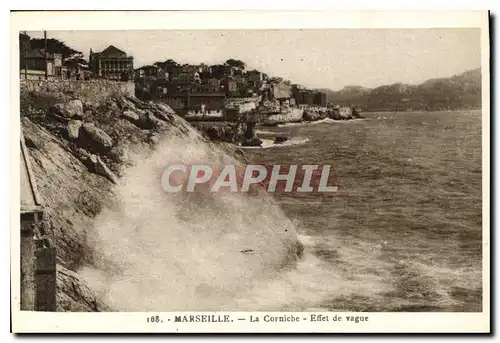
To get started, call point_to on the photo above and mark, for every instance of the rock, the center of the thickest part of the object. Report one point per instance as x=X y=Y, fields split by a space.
x=73 y=129
x=90 y=106
x=70 y=109
x=88 y=114
x=112 y=105
x=146 y=121
x=154 y=138
x=250 y=131
x=345 y=113
x=165 y=108
x=102 y=169
x=33 y=143
x=280 y=139
x=75 y=295
x=127 y=104
x=56 y=109
x=313 y=115
x=119 y=154
x=292 y=115
x=160 y=114
x=356 y=112
x=213 y=134
x=155 y=122
x=252 y=142
x=307 y=116
x=31 y=139
x=222 y=131
x=136 y=102
x=94 y=139
x=95 y=165
x=131 y=116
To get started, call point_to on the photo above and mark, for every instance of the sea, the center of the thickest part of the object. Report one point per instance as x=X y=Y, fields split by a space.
x=404 y=232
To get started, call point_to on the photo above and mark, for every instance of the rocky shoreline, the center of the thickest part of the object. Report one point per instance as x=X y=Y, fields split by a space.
x=243 y=133
x=80 y=150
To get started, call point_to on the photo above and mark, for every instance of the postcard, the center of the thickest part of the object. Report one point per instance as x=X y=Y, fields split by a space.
x=245 y=172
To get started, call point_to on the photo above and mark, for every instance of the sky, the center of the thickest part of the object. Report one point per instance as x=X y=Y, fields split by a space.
x=326 y=58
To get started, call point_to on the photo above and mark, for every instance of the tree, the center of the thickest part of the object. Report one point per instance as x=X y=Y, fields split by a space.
x=236 y=63
x=24 y=42
x=54 y=46
x=167 y=64
x=170 y=62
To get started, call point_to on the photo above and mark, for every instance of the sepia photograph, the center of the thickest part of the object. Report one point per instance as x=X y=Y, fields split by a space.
x=295 y=176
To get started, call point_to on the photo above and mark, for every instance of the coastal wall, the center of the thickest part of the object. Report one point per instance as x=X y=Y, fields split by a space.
x=293 y=115
x=91 y=89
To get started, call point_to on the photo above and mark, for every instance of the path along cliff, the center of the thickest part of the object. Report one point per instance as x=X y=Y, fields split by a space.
x=123 y=244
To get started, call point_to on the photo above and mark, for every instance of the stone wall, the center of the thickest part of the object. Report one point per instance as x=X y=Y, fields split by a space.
x=91 y=89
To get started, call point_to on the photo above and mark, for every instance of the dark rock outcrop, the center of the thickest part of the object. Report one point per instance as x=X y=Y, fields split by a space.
x=280 y=139
x=341 y=113
x=310 y=115
x=222 y=131
x=96 y=165
x=356 y=113
x=252 y=142
x=93 y=139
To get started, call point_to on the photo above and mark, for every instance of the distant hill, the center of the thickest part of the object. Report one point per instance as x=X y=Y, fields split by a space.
x=461 y=91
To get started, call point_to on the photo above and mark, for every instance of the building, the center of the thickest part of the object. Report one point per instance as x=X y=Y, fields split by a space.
x=112 y=64
x=208 y=101
x=306 y=97
x=254 y=76
x=211 y=85
x=76 y=68
x=220 y=71
x=204 y=69
x=229 y=85
x=281 y=92
x=309 y=98
x=35 y=64
x=176 y=101
x=190 y=69
x=255 y=79
x=320 y=99
x=183 y=102
x=150 y=72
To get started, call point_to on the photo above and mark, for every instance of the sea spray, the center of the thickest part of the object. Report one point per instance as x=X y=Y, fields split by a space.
x=174 y=252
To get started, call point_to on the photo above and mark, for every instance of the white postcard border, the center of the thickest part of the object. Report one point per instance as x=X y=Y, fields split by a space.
x=137 y=322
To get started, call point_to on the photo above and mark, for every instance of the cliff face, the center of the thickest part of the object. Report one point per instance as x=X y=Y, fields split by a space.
x=98 y=168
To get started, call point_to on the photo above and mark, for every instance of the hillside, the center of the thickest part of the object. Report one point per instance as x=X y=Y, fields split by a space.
x=461 y=91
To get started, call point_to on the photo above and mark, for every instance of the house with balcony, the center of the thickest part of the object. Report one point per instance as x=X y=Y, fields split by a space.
x=35 y=64
x=112 y=64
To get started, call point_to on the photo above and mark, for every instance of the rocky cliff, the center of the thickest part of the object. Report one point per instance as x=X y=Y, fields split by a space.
x=98 y=169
